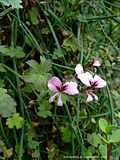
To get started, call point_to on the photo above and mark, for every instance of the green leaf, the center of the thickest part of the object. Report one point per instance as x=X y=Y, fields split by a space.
x=13 y=3
x=2 y=83
x=15 y=121
x=33 y=64
x=7 y=152
x=66 y=133
x=38 y=74
x=36 y=153
x=103 y=150
x=2 y=145
x=53 y=151
x=7 y=104
x=65 y=98
x=115 y=136
x=12 y=52
x=33 y=14
x=94 y=139
x=103 y=124
x=70 y=43
x=116 y=97
x=44 y=109
x=33 y=144
x=43 y=67
x=2 y=69
x=58 y=53
x=39 y=81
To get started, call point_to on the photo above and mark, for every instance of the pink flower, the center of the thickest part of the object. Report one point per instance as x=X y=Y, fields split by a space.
x=79 y=69
x=96 y=63
x=56 y=86
x=92 y=82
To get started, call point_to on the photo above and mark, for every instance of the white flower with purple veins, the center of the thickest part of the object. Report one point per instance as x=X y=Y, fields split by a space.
x=79 y=69
x=56 y=86
x=92 y=82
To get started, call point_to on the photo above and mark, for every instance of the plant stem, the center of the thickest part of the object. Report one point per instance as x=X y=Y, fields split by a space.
x=108 y=151
x=3 y=132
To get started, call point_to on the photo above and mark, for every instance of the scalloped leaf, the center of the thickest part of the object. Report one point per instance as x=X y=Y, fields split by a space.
x=12 y=52
x=15 y=121
x=7 y=104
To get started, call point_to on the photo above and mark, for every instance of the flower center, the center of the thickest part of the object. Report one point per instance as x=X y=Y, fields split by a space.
x=58 y=88
x=93 y=84
x=62 y=88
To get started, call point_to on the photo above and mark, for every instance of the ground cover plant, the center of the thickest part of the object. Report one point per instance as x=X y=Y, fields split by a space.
x=59 y=79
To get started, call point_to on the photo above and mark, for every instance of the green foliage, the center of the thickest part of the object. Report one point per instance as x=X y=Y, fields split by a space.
x=66 y=133
x=115 y=136
x=65 y=98
x=54 y=152
x=7 y=152
x=13 y=3
x=33 y=14
x=64 y=33
x=7 y=104
x=70 y=43
x=2 y=145
x=32 y=143
x=15 y=121
x=12 y=52
x=94 y=139
x=105 y=127
x=34 y=146
x=2 y=85
x=116 y=97
x=103 y=150
x=58 y=53
x=38 y=74
x=44 y=109
x=2 y=69
x=103 y=124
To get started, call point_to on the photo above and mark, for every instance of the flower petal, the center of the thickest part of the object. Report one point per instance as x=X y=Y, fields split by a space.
x=100 y=83
x=59 y=103
x=79 y=69
x=96 y=63
x=70 y=88
x=52 y=98
x=54 y=84
x=57 y=99
x=91 y=97
x=85 y=78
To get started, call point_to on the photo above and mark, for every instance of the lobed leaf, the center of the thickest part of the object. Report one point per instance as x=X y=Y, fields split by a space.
x=7 y=104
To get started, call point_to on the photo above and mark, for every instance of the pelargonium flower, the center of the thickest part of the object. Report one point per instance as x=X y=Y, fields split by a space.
x=56 y=86
x=96 y=63
x=79 y=69
x=92 y=82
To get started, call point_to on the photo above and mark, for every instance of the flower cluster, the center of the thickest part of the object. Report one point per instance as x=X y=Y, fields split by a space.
x=90 y=80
